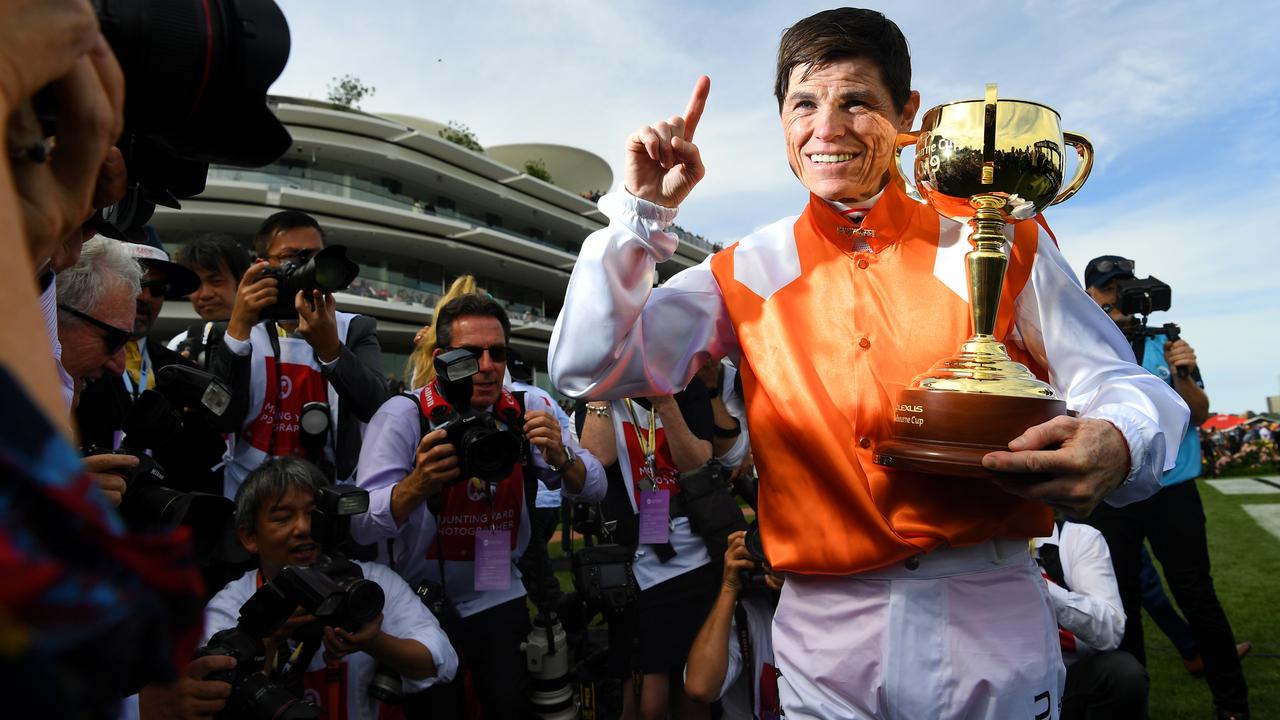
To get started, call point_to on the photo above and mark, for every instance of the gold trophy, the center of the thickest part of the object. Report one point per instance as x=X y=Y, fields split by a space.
x=986 y=163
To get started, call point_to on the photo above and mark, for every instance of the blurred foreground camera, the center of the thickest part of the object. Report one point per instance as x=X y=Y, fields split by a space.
x=485 y=450
x=328 y=271
x=197 y=74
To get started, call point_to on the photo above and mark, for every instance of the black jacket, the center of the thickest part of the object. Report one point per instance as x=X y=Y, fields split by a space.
x=188 y=458
x=356 y=377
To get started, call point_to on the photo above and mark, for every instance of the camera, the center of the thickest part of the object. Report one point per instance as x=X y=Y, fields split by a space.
x=1143 y=296
x=432 y=595
x=253 y=694
x=197 y=73
x=485 y=450
x=148 y=501
x=328 y=270
x=754 y=579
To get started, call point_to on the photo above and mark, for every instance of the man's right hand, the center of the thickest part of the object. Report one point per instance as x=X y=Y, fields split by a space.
x=255 y=294
x=736 y=560
x=108 y=472
x=192 y=696
x=663 y=165
x=435 y=465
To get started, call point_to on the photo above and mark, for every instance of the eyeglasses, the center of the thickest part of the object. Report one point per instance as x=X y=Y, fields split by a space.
x=158 y=288
x=1108 y=265
x=497 y=353
x=114 y=337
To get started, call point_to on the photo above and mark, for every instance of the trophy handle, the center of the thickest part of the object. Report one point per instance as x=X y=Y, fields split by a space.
x=1085 y=149
x=904 y=139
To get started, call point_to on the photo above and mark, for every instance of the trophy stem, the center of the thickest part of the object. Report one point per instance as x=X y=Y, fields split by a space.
x=985 y=264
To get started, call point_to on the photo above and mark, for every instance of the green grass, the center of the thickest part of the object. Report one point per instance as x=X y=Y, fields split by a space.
x=1246 y=573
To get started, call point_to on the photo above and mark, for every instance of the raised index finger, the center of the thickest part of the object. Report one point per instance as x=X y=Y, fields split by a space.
x=697 y=102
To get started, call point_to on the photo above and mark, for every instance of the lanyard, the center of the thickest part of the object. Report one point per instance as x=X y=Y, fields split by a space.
x=647 y=446
x=144 y=371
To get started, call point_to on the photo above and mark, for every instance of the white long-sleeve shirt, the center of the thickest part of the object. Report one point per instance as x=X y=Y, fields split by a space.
x=1089 y=607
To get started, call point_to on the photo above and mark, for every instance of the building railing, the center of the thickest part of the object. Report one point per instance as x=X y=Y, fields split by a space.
x=426 y=295
x=348 y=186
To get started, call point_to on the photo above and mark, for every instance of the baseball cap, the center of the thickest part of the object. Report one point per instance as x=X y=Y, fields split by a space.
x=1104 y=269
x=182 y=280
x=519 y=368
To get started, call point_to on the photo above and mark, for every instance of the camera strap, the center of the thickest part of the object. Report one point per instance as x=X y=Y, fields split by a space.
x=748 y=654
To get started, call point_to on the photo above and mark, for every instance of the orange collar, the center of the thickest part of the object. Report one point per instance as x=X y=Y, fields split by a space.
x=886 y=222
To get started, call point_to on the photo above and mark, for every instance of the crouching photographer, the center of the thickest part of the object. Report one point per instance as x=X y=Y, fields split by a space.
x=732 y=658
x=307 y=624
x=1172 y=519
x=451 y=471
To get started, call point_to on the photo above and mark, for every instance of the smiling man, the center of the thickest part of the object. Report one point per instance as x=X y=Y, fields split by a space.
x=907 y=595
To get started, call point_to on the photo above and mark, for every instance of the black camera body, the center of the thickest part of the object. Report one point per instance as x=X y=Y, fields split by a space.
x=603 y=576
x=253 y=694
x=485 y=450
x=148 y=501
x=754 y=579
x=328 y=271
x=432 y=595
x=1143 y=296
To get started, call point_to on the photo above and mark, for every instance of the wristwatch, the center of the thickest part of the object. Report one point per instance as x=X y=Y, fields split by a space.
x=569 y=459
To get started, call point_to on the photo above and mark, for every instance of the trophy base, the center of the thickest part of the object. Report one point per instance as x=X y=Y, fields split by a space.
x=943 y=432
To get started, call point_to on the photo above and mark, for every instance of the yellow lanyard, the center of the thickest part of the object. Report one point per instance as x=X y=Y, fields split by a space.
x=648 y=447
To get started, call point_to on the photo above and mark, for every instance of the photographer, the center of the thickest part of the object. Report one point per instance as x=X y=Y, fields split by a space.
x=646 y=444
x=220 y=263
x=274 y=519
x=1172 y=519
x=275 y=369
x=731 y=442
x=738 y=636
x=192 y=454
x=434 y=518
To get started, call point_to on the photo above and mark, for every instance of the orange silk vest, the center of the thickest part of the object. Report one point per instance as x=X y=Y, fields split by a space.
x=823 y=359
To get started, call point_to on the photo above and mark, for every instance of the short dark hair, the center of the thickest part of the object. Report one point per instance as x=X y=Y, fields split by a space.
x=269 y=482
x=209 y=252
x=464 y=305
x=841 y=34
x=280 y=222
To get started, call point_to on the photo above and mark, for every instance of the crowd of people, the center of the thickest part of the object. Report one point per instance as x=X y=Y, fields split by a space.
x=246 y=520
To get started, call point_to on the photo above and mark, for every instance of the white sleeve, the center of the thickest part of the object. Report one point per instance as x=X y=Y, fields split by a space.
x=734 y=667
x=617 y=336
x=1092 y=366
x=387 y=455
x=405 y=617
x=1091 y=609
x=223 y=610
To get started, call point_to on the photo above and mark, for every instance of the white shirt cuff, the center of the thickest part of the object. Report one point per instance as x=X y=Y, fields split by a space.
x=1146 y=453
x=239 y=347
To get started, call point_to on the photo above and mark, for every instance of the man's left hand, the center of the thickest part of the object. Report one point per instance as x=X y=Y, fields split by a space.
x=340 y=643
x=543 y=431
x=1085 y=457
x=318 y=323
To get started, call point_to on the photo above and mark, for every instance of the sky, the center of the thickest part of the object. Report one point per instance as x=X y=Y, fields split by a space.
x=1180 y=99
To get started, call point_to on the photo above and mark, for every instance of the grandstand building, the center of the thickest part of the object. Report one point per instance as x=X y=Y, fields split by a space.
x=416 y=211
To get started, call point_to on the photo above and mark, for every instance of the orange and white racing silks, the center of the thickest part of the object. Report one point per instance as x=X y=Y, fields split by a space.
x=825 y=336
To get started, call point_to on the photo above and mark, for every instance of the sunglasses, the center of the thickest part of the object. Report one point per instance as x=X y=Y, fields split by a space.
x=114 y=337
x=158 y=288
x=497 y=353
x=1108 y=265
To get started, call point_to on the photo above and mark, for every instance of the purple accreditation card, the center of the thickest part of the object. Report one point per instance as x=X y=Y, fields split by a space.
x=493 y=559
x=655 y=516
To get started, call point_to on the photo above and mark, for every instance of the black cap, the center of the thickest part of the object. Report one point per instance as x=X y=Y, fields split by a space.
x=182 y=280
x=519 y=368
x=1104 y=269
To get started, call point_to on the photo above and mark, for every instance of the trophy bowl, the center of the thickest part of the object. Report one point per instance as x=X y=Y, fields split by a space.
x=986 y=163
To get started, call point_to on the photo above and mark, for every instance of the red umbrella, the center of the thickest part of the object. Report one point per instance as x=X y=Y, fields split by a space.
x=1222 y=422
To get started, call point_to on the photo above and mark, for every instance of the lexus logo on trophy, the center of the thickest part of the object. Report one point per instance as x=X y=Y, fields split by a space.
x=987 y=163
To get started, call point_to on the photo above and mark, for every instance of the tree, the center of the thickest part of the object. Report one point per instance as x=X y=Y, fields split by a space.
x=348 y=91
x=538 y=168
x=460 y=134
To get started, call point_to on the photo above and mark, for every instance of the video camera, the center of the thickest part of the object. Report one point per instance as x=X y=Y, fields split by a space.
x=1139 y=298
x=148 y=501
x=328 y=271
x=197 y=74
x=485 y=450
